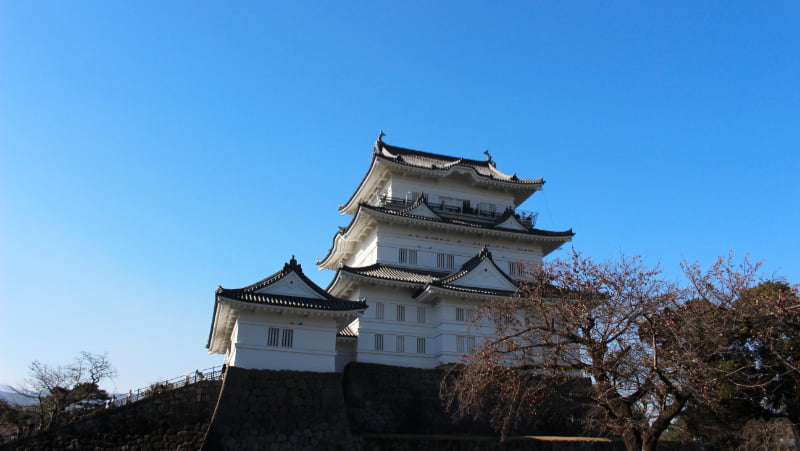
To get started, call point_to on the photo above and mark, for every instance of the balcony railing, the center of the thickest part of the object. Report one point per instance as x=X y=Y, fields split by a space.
x=465 y=209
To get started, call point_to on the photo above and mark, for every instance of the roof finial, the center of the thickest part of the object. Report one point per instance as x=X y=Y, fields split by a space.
x=488 y=155
x=380 y=136
x=292 y=265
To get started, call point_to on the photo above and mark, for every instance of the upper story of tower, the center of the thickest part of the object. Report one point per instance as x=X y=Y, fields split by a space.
x=427 y=211
x=452 y=186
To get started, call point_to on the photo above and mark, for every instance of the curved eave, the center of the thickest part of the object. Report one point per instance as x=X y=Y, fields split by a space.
x=342 y=247
x=343 y=241
x=219 y=337
x=558 y=238
x=343 y=279
x=367 y=188
x=431 y=292
x=260 y=307
x=522 y=189
x=381 y=166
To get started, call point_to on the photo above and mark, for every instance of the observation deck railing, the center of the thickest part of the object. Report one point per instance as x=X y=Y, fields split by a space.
x=465 y=210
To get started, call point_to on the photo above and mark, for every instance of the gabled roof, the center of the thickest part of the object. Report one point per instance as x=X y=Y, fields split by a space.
x=485 y=257
x=479 y=276
x=306 y=294
x=286 y=290
x=503 y=226
x=421 y=208
x=485 y=172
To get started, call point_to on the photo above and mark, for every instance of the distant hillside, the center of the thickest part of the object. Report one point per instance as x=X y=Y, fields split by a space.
x=15 y=398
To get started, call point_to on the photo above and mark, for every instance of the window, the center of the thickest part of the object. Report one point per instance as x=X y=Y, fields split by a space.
x=465 y=344
x=400 y=343
x=420 y=314
x=272 y=336
x=487 y=208
x=379 y=310
x=287 y=338
x=516 y=269
x=284 y=338
x=408 y=256
x=379 y=342
x=401 y=313
x=463 y=314
x=446 y=261
x=420 y=345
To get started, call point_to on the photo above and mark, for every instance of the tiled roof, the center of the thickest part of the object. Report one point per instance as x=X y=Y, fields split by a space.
x=332 y=303
x=249 y=293
x=426 y=278
x=477 y=225
x=469 y=265
x=474 y=290
x=432 y=161
x=389 y=272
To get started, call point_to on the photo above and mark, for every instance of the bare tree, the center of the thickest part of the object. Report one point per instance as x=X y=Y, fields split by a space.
x=67 y=391
x=647 y=345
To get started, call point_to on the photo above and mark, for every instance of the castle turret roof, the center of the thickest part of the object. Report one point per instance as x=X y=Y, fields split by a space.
x=483 y=172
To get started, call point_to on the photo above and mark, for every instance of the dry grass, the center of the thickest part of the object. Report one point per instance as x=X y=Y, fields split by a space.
x=543 y=438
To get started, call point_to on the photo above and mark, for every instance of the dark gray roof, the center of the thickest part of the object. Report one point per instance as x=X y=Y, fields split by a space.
x=432 y=161
x=468 y=266
x=248 y=294
x=389 y=272
x=425 y=278
x=335 y=304
x=462 y=222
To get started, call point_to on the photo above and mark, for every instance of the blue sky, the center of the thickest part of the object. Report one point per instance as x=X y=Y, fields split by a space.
x=152 y=150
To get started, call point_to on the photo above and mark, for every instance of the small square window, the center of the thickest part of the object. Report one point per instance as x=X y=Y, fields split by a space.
x=516 y=269
x=408 y=256
x=445 y=261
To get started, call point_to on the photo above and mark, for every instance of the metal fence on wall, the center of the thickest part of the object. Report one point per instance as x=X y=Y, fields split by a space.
x=207 y=374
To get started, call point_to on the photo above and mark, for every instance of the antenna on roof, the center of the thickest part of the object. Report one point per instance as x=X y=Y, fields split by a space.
x=488 y=155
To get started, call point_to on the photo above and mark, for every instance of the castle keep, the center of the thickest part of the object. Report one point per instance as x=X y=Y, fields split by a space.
x=431 y=238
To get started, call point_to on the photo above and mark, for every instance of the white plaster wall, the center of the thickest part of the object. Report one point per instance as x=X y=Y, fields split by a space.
x=390 y=327
x=345 y=352
x=440 y=328
x=455 y=186
x=463 y=246
x=313 y=348
x=366 y=251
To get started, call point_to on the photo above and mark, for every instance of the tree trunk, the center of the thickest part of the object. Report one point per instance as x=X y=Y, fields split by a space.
x=649 y=443
x=632 y=440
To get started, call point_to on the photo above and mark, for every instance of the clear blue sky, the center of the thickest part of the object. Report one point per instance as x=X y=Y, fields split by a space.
x=152 y=150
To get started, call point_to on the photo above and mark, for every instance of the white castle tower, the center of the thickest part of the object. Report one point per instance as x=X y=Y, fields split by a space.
x=432 y=238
